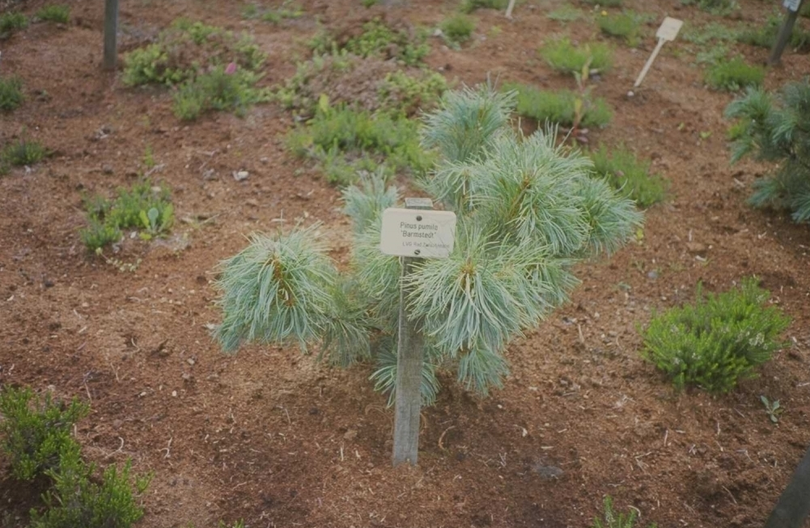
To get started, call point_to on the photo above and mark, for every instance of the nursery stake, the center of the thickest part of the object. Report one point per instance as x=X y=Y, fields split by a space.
x=666 y=33
x=412 y=233
x=785 y=31
x=110 y=34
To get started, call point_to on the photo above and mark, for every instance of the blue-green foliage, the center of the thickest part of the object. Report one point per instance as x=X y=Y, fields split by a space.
x=718 y=340
x=776 y=128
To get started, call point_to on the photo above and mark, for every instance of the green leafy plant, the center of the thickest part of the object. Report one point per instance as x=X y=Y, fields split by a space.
x=718 y=340
x=776 y=128
x=629 y=175
x=468 y=6
x=604 y=3
x=55 y=13
x=378 y=40
x=35 y=430
x=611 y=519
x=562 y=55
x=12 y=21
x=141 y=207
x=457 y=29
x=527 y=210
x=11 y=95
x=286 y=11
x=715 y=7
x=772 y=408
x=409 y=94
x=734 y=75
x=625 y=25
x=566 y=13
x=765 y=36
x=560 y=107
x=22 y=153
x=78 y=500
x=222 y=88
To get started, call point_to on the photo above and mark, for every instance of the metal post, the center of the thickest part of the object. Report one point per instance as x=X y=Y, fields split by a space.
x=784 y=35
x=794 y=504
x=110 y=34
x=409 y=367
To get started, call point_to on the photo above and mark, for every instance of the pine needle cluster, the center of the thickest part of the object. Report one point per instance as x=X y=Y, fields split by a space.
x=527 y=209
x=776 y=127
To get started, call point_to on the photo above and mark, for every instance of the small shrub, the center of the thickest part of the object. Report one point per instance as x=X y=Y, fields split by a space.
x=604 y=3
x=630 y=176
x=22 y=153
x=458 y=28
x=468 y=6
x=734 y=75
x=409 y=94
x=142 y=207
x=560 y=107
x=715 y=7
x=12 y=21
x=563 y=56
x=718 y=340
x=379 y=40
x=565 y=13
x=614 y=520
x=11 y=96
x=765 y=36
x=79 y=500
x=625 y=25
x=286 y=11
x=219 y=89
x=55 y=13
x=36 y=431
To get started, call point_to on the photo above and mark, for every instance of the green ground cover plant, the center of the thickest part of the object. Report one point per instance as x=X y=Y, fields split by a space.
x=563 y=56
x=143 y=207
x=629 y=175
x=57 y=13
x=457 y=29
x=625 y=25
x=604 y=3
x=12 y=21
x=733 y=75
x=286 y=11
x=21 y=153
x=776 y=128
x=221 y=88
x=612 y=519
x=560 y=107
x=380 y=40
x=764 y=36
x=718 y=340
x=715 y=7
x=566 y=13
x=468 y=6
x=35 y=430
x=11 y=94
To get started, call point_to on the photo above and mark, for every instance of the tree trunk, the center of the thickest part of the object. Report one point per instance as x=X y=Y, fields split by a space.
x=794 y=505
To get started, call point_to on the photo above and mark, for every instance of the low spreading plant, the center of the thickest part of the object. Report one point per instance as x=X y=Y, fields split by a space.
x=566 y=13
x=78 y=499
x=142 y=207
x=733 y=75
x=55 y=13
x=378 y=40
x=562 y=55
x=345 y=141
x=611 y=519
x=221 y=88
x=604 y=3
x=409 y=94
x=625 y=25
x=718 y=340
x=765 y=36
x=22 y=153
x=35 y=430
x=11 y=95
x=563 y=107
x=468 y=6
x=629 y=175
x=457 y=29
x=715 y=7
x=286 y=11
x=776 y=128
x=12 y=21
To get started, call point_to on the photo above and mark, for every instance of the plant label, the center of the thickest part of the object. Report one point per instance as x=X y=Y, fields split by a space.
x=417 y=233
x=792 y=5
x=669 y=29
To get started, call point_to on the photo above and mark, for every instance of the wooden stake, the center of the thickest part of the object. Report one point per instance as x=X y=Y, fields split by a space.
x=784 y=35
x=110 y=34
x=667 y=32
x=794 y=504
x=509 y=8
x=409 y=367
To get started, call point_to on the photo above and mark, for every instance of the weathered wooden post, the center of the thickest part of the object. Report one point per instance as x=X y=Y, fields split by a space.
x=794 y=504
x=785 y=31
x=412 y=233
x=110 y=34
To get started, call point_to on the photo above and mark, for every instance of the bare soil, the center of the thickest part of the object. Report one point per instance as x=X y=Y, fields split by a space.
x=273 y=438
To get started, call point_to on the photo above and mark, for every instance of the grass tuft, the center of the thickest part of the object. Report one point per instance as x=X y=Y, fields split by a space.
x=562 y=55
x=626 y=26
x=734 y=75
x=560 y=107
x=11 y=95
x=457 y=29
x=629 y=175
x=11 y=22
x=57 y=13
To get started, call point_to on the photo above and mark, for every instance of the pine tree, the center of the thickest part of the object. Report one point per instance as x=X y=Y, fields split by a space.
x=527 y=210
x=777 y=128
